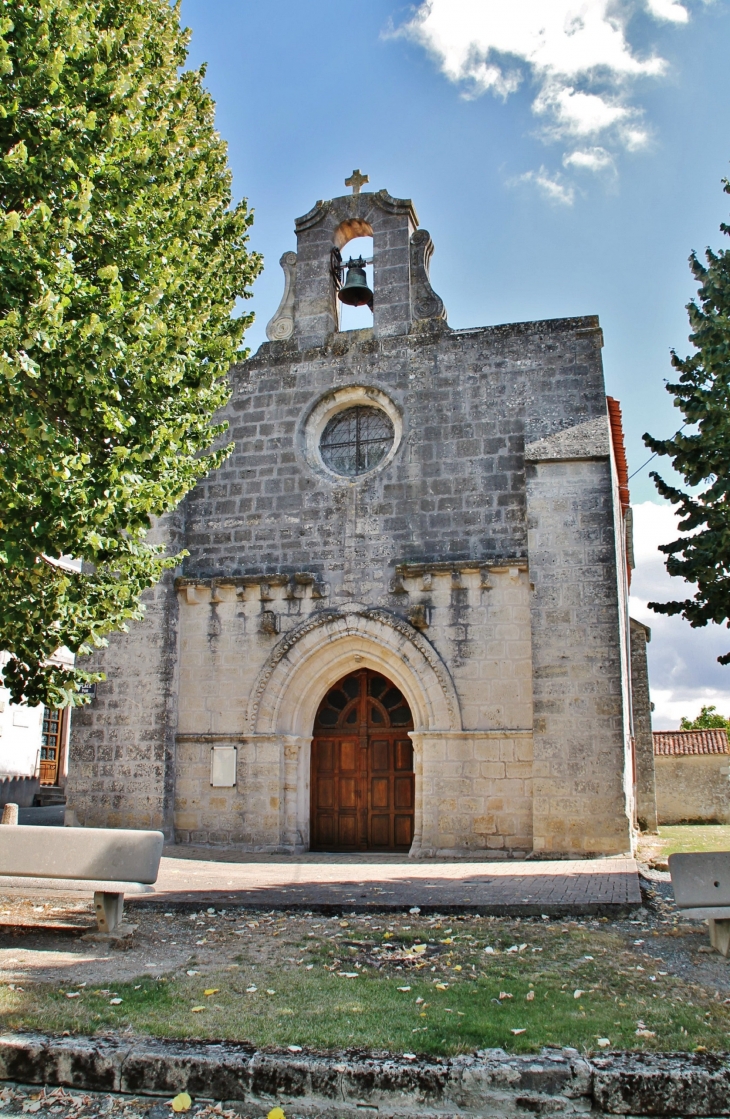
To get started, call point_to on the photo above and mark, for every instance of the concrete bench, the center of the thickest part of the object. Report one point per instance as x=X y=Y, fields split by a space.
x=702 y=890
x=104 y=861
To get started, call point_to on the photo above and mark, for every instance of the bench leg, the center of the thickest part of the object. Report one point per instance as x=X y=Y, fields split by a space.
x=109 y=909
x=720 y=935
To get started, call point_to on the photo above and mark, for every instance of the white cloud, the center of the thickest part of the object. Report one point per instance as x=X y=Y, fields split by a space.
x=683 y=669
x=589 y=159
x=552 y=186
x=575 y=52
x=669 y=10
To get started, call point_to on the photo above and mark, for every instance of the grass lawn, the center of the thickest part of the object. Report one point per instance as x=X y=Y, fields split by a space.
x=684 y=838
x=405 y=984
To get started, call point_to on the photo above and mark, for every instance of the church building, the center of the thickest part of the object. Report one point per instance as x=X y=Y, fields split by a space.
x=402 y=623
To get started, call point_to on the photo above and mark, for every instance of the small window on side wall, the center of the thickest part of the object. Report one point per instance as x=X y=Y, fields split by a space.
x=223 y=766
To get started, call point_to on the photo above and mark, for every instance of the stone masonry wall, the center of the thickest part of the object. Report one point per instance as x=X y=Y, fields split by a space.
x=579 y=742
x=646 y=806
x=693 y=789
x=476 y=786
x=455 y=489
x=122 y=751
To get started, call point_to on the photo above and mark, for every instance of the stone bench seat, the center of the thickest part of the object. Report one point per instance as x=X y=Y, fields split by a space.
x=104 y=861
x=701 y=883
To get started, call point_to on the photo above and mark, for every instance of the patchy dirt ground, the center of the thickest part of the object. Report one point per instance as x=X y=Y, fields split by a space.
x=449 y=982
x=44 y=941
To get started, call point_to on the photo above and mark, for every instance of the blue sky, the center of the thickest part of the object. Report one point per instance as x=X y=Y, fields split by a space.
x=566 y=156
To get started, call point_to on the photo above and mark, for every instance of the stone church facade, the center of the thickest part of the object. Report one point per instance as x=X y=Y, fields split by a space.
x=402 y=621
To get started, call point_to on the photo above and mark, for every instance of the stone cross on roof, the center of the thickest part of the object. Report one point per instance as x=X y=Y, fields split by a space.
x=357 y=181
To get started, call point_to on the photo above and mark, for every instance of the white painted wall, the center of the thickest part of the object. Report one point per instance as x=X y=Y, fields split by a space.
x=20 y=735
x=21 y=728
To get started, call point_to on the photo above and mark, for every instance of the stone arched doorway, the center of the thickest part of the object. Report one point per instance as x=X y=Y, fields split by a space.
x=362 y=778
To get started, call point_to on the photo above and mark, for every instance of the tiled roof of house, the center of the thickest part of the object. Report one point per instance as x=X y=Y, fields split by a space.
x=675 y=743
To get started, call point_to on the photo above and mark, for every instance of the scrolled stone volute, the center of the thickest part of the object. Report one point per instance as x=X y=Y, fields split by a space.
x=426 y=304
x=281 y=326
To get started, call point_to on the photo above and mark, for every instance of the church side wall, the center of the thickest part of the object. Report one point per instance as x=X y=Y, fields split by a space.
x=579 y=735
x=646 y=805
x=122 y=744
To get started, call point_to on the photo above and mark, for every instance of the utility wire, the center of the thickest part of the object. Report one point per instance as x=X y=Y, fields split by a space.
x=654 y=455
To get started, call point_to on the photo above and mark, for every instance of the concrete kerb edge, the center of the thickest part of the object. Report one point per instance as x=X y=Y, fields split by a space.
x=488 y=1083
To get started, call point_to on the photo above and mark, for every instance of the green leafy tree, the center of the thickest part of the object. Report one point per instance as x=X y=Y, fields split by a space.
x=121 y=258
x=702 y=457
x=708 y=719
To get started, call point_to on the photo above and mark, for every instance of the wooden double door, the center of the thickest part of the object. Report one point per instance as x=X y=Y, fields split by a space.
x=362 y=767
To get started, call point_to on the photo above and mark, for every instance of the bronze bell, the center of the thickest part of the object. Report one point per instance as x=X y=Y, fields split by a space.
x=355 y=291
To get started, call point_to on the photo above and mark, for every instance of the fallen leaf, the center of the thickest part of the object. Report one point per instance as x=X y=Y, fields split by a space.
x=489 y=950
x=75 y=995
x=294 y=1048
x=409 y=1056
x=505 y=995
x=441 y=986
x=530 y=996
x=114 y=1002
x=419 y=949
x=347 y=974
x=191 y=973
x=457 y=967
x=645 y=1033
x=211 y=991
x=269 y=991
x=250 y=990
x=577 y=994
x=182 y=1102
x=276 y=1113
x=603 y=1042
x=515 y=1032
x=403 y=988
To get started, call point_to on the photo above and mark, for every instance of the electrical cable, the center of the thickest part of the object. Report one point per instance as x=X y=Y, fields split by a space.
x=637 y=471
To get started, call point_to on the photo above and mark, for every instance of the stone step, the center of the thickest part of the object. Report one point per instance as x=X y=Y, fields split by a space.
x=48 y=795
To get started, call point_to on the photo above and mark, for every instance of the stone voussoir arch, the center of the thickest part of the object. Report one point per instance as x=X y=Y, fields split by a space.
x=326 y=646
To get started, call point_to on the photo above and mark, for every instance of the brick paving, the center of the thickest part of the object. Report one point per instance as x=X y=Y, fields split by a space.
x=324 y=882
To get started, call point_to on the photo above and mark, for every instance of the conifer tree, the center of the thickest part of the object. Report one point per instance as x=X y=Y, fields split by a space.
x=121 y=258
x=702 y=393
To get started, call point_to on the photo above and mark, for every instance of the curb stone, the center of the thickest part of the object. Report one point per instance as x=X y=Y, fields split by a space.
x=490 y=1083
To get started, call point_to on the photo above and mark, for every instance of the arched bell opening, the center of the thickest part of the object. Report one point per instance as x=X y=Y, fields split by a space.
x=362 y=777
x=352 y=271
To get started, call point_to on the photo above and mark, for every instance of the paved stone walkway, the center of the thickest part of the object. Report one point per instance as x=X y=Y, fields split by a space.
x=325 y=882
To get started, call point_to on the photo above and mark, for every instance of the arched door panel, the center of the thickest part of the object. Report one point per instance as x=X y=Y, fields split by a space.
x=362 y=783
